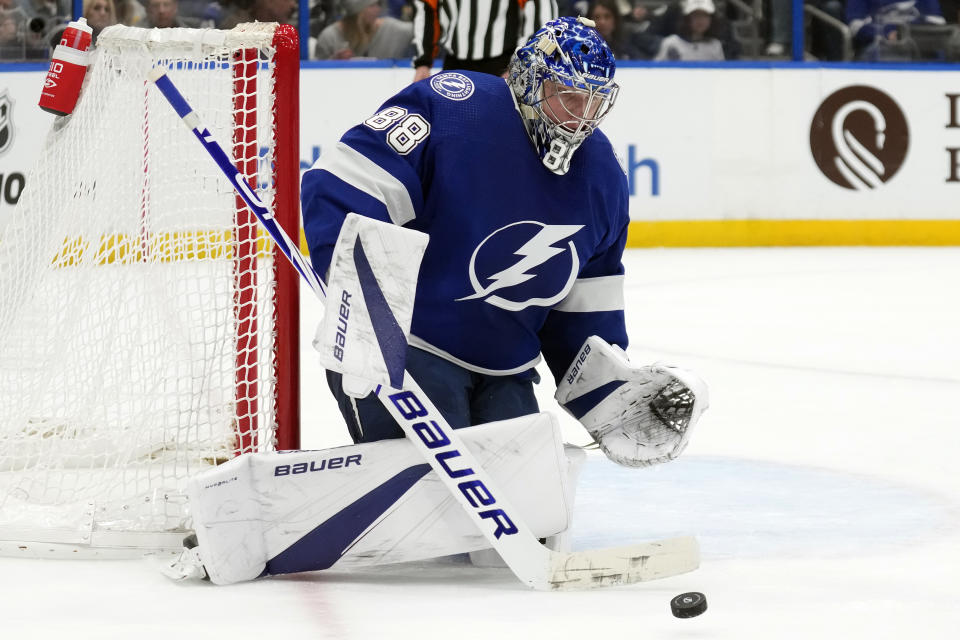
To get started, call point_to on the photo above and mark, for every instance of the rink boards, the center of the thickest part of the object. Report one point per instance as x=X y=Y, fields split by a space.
x=750 y=155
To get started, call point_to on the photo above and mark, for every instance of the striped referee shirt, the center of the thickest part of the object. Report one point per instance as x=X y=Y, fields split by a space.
x=475 y=29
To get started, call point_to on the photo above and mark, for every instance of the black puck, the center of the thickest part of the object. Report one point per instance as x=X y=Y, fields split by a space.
x=688 y=605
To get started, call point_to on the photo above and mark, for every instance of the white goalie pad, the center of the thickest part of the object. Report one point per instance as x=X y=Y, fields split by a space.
x=639 y=416
x=370 y=295
x=371 y=503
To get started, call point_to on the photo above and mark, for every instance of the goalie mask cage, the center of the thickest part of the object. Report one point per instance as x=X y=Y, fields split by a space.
x=148 y=328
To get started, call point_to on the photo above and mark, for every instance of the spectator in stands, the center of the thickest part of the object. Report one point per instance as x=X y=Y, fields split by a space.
x=282 y=11
x=206 y=13
x=573 y=8
x=20 y=37
x=47 y=9
x=641 y=24
x=950 y=10
x=130 y=12
x=35 y=38
x=14 y=8
x=44 y=19
x=166 y=13
x=363 y=33
x=781 y=18
x=400 y=9
x=826 y=42
x=874 y=23
x=674 y=19
x=695 y=38
x=323 y=13
x=100 y=14
x=610 y=25
x=11 y=35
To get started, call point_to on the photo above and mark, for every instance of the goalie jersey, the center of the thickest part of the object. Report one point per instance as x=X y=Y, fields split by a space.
x=520 y=260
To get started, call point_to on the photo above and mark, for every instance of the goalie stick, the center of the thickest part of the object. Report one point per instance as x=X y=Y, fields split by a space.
x=533 y=563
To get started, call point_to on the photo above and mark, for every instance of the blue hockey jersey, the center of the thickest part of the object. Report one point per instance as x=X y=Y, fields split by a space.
x=869 y=19
x=520 y=260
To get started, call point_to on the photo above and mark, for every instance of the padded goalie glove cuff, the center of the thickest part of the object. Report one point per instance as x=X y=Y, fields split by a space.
x=639 y=416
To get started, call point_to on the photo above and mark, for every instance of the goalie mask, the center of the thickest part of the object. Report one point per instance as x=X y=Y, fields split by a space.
x=562 y=79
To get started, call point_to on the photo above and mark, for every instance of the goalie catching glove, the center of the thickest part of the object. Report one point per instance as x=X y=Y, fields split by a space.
x=639 y=416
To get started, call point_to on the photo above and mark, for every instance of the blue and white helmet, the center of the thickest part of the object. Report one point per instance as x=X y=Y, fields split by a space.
x=562 y=79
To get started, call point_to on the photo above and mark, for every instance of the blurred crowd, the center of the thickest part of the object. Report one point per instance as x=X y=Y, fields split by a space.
x=669 y=30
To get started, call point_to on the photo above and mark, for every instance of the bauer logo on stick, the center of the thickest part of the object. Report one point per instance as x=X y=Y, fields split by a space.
x=431 y=433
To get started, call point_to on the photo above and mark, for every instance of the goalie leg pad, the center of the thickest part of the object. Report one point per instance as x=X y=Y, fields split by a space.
x=576 y=456
x=370 y=503
x=639 y=416
x=560 y=541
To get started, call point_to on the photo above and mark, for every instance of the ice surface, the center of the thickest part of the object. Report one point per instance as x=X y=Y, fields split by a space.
x=823 y=482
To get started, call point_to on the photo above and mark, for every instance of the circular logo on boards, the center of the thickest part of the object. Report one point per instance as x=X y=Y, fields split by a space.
x=454 y=86
x=859 y=137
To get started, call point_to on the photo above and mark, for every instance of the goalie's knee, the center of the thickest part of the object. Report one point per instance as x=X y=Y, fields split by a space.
x=562 y=540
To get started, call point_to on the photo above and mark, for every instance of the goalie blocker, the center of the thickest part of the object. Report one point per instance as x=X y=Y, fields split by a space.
x=639 y=416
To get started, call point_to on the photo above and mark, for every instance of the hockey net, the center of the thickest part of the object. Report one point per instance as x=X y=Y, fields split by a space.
x=148 y=329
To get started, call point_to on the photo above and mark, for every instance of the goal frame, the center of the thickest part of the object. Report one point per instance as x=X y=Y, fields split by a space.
x=29 y=541
x=286 y=133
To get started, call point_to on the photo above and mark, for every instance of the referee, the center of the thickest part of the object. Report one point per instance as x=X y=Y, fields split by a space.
x=474 y=35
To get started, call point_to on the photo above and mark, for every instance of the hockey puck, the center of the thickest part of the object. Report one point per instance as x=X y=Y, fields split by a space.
x=688 y=605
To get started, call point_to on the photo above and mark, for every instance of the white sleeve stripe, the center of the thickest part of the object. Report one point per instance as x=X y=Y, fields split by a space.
x=594 y=294
x=359 y=171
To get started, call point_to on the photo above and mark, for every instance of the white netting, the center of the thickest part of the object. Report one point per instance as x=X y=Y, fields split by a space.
x=136 y=304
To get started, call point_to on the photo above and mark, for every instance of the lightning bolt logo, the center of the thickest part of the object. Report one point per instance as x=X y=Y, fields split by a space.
x=533 y=253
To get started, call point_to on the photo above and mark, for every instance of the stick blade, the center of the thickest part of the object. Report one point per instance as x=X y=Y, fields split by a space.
x=624 y=565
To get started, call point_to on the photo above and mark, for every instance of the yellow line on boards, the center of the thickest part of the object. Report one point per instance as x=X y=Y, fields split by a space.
x=215 y=244
x=793 y=233
x=786 y=233
x=179 y=246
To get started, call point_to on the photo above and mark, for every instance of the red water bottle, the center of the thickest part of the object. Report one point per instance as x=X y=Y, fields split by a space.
x=67 y=68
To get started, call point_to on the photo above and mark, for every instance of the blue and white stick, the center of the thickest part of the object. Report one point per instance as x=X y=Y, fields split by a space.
x=159 y=77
